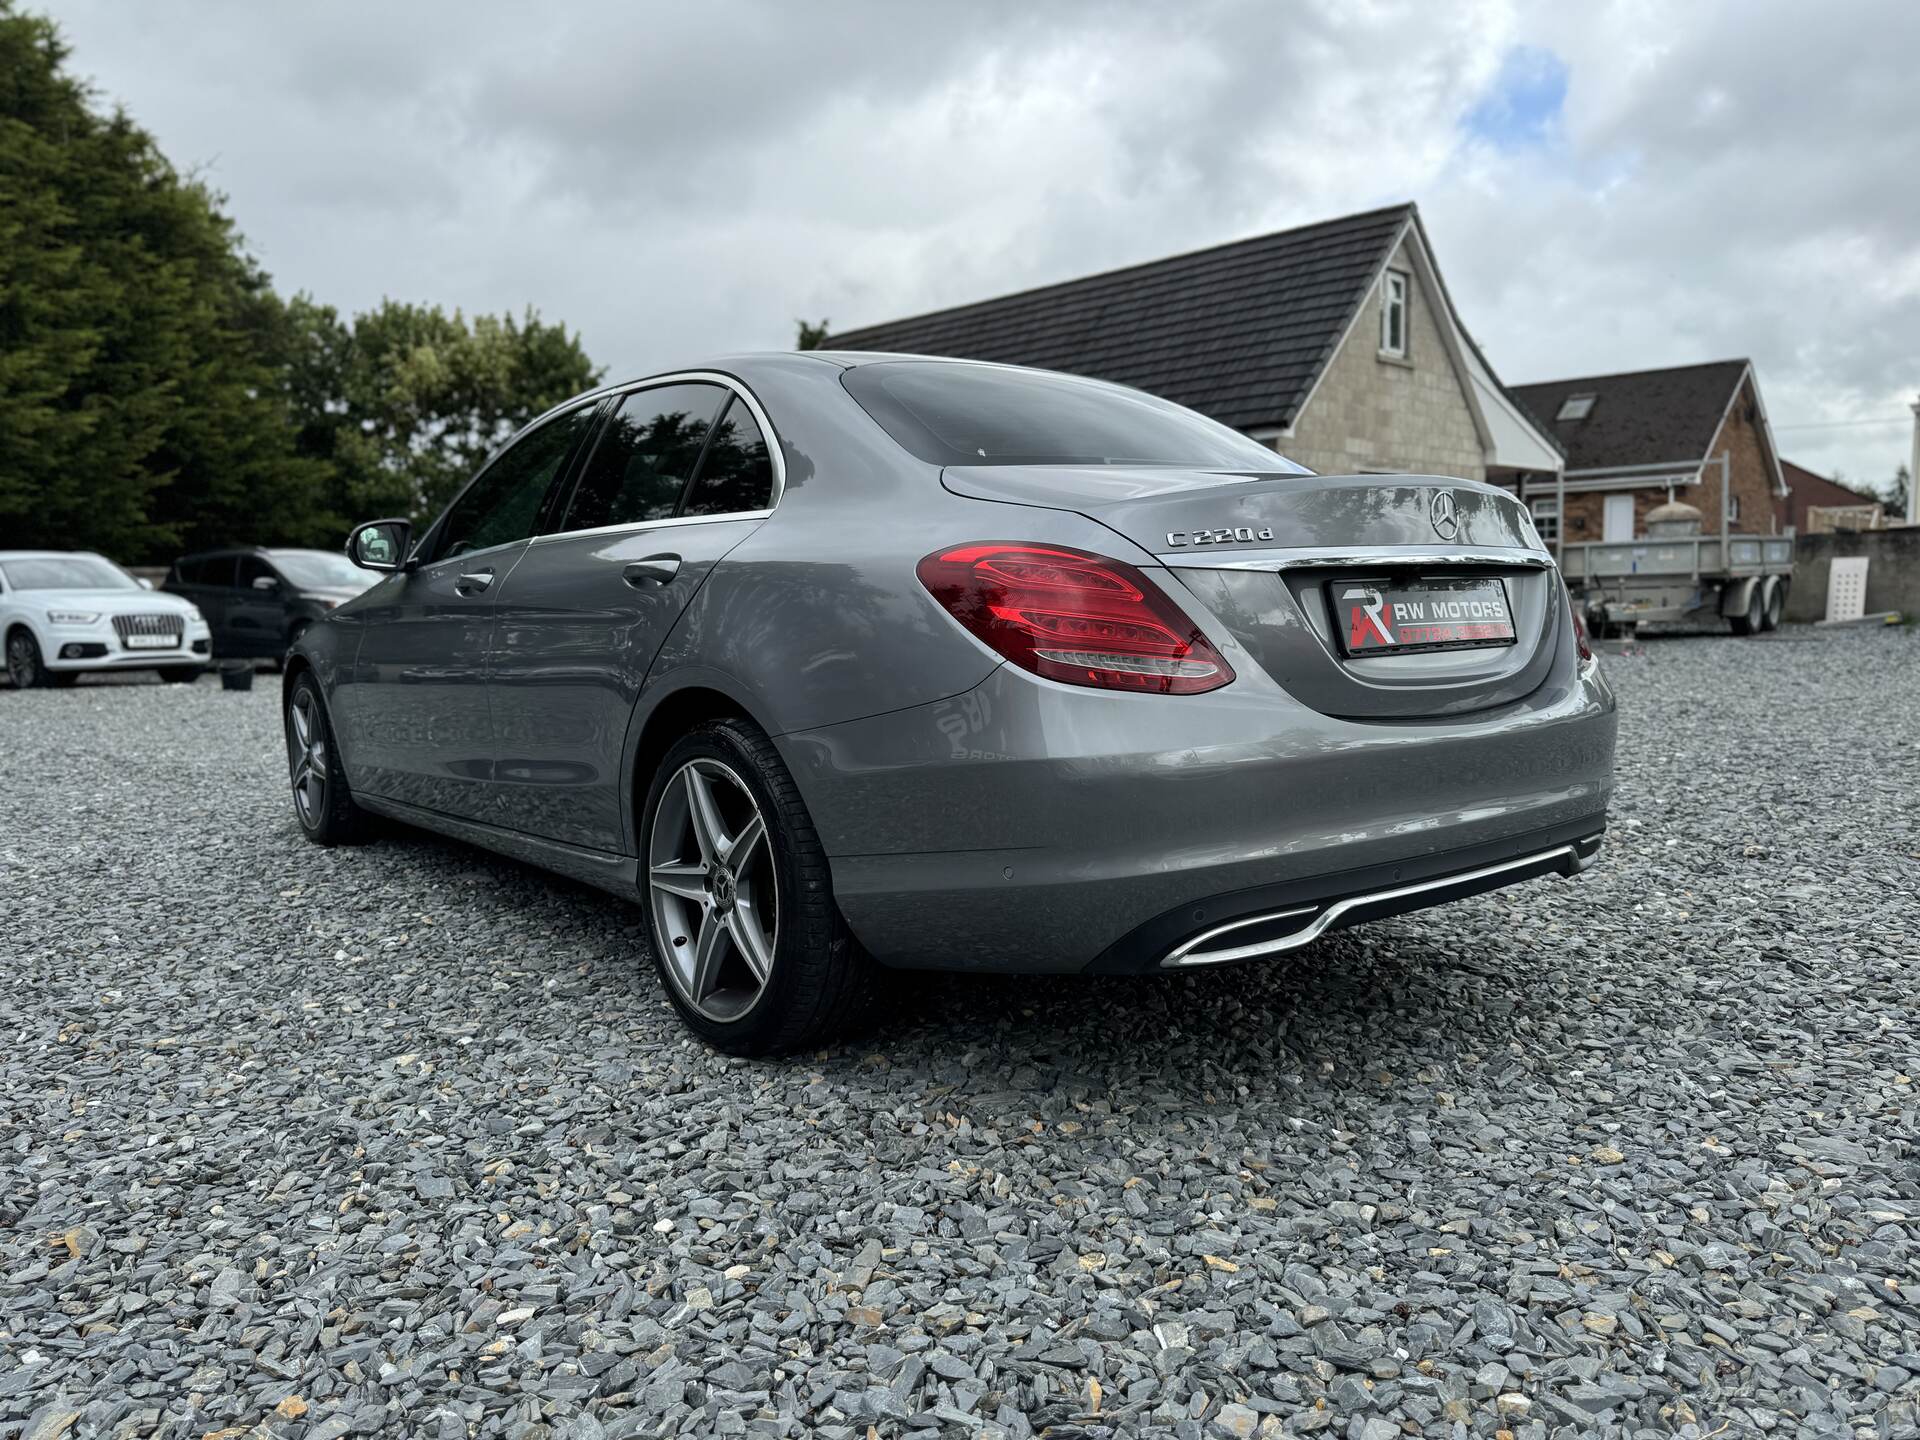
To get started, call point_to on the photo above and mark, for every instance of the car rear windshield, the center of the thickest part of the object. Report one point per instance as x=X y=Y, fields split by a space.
x=66 y=572
x=958 y=414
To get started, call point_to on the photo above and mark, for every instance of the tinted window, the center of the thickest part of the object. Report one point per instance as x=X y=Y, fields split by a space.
x=737 y=474
x=978 y=415
x=206 y=570
x=253 y=568
x=645 y=456
x=504 y=503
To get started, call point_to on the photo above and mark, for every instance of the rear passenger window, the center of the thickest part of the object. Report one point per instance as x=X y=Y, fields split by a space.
x=640 y=468
x=207 y=570
x=737 y=474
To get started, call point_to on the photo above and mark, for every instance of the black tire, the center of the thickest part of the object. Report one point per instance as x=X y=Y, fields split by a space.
x=25 y=668
x=1776 y=602
x=181 y=674
x=1754 y=620
x=322 y=802
x=820 y=983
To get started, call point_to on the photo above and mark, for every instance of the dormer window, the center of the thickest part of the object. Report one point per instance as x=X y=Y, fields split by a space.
x=1393 y=315
x=1575 y=407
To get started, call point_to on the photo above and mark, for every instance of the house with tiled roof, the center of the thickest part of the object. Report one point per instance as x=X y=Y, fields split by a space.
x=1636 y=440
x=1335 y=343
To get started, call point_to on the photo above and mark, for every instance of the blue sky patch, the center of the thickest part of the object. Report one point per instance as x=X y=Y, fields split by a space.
x=1523 y=106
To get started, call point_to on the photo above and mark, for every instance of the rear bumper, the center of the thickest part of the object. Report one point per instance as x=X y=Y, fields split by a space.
x=1276 y=919
x=1033 y=827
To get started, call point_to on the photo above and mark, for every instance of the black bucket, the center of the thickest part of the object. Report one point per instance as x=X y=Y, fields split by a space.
x=236 y=675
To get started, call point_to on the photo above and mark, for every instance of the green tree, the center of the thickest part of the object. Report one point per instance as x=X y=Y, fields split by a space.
x=403 y=403
x=141 y=406
x=812 y=337
x=1893 y=494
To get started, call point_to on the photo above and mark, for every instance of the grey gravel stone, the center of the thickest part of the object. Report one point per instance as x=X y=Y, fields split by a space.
x=407 y=1134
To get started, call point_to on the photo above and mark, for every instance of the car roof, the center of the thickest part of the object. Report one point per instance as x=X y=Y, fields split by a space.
x=49 y=554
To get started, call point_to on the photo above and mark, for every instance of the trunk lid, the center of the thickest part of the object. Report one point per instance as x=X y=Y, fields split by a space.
x=1272 y=557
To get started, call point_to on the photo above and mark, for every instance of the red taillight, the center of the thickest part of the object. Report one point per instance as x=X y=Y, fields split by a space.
x=1072 y=616
x=1579 y=629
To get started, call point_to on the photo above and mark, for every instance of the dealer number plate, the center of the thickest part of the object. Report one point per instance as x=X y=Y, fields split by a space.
x=1421 y=615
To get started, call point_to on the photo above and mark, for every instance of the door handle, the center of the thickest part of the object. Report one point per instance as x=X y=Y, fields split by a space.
x=654 y=570
x=474 y=580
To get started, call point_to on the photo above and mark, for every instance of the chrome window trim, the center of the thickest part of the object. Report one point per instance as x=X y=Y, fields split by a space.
x=1201 y=558
x=618 y=395
x=635 y=525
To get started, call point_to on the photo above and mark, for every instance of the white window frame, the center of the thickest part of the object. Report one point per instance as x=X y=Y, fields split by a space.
x=1575 y=407
x=1394 y=311
x=1546 y=518
x=1733 y=509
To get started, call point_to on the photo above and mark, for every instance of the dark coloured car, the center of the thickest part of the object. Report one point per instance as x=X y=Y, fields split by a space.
x=259 y=601
x=834 y=659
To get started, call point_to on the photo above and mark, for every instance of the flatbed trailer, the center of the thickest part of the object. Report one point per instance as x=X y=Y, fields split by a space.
x=1680 y=580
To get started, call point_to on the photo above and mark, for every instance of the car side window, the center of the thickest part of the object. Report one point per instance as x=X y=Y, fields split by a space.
x=253 y=568
x=645 y=456
x=737 y=475
x=503 y=504
x=215 y=570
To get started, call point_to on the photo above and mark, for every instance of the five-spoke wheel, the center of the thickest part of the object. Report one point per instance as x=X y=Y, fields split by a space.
x=307 y=756
x=739 y=897
x=321 y=800
x=711 y=883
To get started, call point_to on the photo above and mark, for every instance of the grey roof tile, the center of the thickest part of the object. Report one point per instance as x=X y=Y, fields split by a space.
x=1646 y=417
x=1239 y=332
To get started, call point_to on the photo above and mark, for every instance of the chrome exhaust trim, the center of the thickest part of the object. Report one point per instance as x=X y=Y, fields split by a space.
x=1315 y=920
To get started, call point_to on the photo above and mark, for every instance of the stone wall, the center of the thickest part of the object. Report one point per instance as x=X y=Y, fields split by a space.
x=1893 y=570
x=1375 y=412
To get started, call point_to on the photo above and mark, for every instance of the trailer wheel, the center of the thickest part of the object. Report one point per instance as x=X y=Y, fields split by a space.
x=1776 y=602
x=1754 y=621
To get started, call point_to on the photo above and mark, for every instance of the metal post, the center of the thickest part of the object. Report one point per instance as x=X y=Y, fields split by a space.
x=1726 y=508
x=1560 y=500
x=1913 y=471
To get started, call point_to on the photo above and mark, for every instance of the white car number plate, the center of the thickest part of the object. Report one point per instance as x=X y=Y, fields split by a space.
x=151 y=642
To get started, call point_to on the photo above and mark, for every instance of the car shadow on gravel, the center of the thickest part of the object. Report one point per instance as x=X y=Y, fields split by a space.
x=1390 y=988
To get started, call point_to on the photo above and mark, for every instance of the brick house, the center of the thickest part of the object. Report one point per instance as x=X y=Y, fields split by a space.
x=1805 y=489
x=1633 y=441
x=1336 y=343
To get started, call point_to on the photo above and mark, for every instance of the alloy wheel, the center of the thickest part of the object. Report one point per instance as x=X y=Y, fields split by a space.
x=307 y=757
x=22 y=663
x=711 y=884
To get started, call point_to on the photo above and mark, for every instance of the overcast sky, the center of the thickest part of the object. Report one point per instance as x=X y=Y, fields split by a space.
x=1607 y=187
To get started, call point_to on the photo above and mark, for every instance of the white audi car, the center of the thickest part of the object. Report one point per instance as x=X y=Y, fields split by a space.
x=65 y=613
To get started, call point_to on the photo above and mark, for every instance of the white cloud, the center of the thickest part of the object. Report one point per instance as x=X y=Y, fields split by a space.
x=676 y=181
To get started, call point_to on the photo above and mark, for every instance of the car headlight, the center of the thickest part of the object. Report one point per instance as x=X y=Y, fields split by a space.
x=194 y=615
x=72 y=617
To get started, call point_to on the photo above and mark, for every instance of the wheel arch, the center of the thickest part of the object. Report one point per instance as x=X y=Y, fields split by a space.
x=671 y=715
x=1735 y=599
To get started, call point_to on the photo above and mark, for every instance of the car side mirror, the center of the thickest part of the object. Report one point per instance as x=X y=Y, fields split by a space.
x=380 y=545
x=265 y=582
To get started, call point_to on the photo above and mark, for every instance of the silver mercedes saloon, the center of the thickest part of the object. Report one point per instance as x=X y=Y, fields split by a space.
x=831 y=662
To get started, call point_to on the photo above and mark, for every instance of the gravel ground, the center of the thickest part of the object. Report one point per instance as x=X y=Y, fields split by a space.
x=404 y=1140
